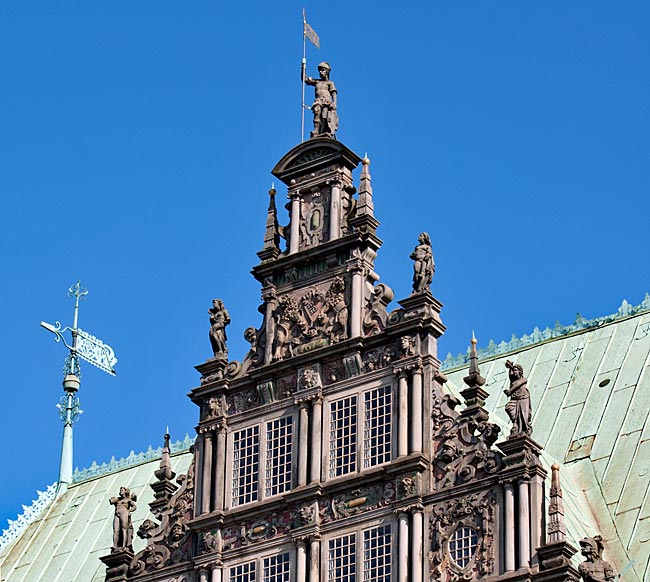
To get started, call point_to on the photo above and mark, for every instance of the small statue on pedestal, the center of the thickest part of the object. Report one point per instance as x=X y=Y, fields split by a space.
x=423 y=267
x=518 y=409
x=594 y=568
x=326 y=120
x=122 y=526
x=219 y=319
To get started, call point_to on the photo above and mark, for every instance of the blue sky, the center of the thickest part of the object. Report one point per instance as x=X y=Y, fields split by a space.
x=136 y=145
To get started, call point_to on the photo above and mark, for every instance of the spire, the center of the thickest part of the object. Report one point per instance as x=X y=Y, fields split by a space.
x=556 y=527
x=474 y=394
x=364 y=219
x=165 y=473
x=271 y=248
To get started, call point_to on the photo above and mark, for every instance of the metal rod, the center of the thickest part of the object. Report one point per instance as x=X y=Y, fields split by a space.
x=303 y=76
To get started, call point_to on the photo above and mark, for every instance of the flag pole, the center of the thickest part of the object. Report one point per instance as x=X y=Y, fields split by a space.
x=303 y=76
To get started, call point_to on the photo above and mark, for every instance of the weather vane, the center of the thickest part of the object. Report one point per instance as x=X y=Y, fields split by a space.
x=94 y=351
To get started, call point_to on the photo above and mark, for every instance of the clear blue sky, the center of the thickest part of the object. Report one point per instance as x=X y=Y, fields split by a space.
x=136 y=144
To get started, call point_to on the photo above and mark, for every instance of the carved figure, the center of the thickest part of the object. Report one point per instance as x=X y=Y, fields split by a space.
x=518 y=409
x=122 y=526
x=326 y=120
x=337 y=310
x=215 y=407
x=423 y=267
x=594 y=568
x=219 y=319
x=407 y=346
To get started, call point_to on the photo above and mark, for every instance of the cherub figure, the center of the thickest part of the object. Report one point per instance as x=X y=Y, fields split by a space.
x=594 y=568
x=518 y=409
x=122 y=526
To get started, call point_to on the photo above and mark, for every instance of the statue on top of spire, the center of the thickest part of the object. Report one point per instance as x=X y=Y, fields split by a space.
x=219 y=319
x=518 y=408
x=423 y=267
x=326 y=120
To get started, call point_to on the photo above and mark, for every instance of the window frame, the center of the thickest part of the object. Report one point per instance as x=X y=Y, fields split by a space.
x=259 y=558
x=261 y=424
x=359 y=446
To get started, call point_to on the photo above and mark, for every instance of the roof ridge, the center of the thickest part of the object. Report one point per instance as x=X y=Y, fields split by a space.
x=537 y=336
x=95 y=470
x=30 y=513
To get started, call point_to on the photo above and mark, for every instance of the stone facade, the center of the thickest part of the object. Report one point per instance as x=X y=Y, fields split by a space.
x=333 y=451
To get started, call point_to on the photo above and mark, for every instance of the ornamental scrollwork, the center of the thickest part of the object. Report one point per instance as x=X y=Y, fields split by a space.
x=468 y=523
x=250 y=532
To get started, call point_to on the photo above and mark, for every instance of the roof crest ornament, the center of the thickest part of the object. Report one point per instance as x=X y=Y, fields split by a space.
x=29 y=515
x=538 y=336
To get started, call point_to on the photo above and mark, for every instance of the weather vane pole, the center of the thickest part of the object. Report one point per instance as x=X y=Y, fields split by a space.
x=307 y=33
x=85 y=346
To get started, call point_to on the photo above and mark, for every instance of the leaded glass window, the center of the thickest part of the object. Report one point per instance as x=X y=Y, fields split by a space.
x=245 y=465
x=277 y=568
x=377 y=563
x=462 y=546
x=342 y=559
x=377 y=426
x=277 y=475
x=243 y=572
x=343 y=436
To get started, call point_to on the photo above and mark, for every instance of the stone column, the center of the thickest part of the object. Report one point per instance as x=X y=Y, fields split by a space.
x=301 y=560
x=403 y=558
x=206 y=482
x=509 y=530
x=268 y=294
x=219 y=487
x=316 y=438
x=217 y=574
x=335 y=211
x=314 y=560
x=198 y=468
x=303 y=443
x=416 y=407
x=357 y=299
x=294 y=238
x=417 y=565
x=537 y=515
x=524 y=525
x=403 y=419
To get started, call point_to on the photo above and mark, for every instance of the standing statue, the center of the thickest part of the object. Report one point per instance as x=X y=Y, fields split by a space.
x=518 y=409
x=423 y=267
x=122 y=526
x=326 y=120
x=594 y=568
x=219 y=319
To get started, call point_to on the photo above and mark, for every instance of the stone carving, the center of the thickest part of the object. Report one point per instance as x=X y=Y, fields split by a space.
x=379 y=358
x=324 y=107
x=376 y=316
x=215 y=407
x=266 y=391
x=462 y=445
x=407 y=346
x=594 y=568
x=219 y=319
x=210 y=542
x=307 y=514
x=122 y=526
x=313 y=226
x=407 y=486
x=252 y=531
x=169 y=541
x=518 y=409
x=318 y=318
x=423 y=267
x=287 y=386
x=334 y=372
x=359 y=500
x=475 y=512
x=309 y=378
x=242 y=401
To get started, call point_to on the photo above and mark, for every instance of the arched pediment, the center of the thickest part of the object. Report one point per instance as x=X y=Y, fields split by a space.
x=312 y=155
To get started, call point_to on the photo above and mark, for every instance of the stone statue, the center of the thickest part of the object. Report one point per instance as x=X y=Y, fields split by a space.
x=518 y=409
x=219 y=319
x=122 y=526
x=594 y=568
x=423 y=267
x=326 y=120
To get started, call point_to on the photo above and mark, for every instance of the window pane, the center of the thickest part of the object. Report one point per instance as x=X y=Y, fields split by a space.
x=245 y=465
x=276 y=568
x=243 y=573
x=341 y=559
x=343 y=437
x=377 y=426
x=462 y=545
x=377 y=554
x=278 y=456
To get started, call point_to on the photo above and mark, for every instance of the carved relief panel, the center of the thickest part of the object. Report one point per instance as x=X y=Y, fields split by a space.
x=314 y=218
